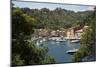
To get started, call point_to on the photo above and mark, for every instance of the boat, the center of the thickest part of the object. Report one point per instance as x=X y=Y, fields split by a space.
x=60 y=40
x=57 y=42
x=72 y=51
x=75 y=41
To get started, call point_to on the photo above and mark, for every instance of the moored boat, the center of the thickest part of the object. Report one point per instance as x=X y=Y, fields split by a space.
x=75 y=41
x=72 y=51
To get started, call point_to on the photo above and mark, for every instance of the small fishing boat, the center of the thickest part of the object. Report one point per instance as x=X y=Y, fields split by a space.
x=72 y=51
x=75 y=41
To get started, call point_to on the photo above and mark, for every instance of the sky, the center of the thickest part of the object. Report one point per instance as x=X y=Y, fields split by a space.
x=52 y=6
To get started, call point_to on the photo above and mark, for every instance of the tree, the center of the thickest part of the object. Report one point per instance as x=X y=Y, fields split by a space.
x=25 y=52
x=88 y=39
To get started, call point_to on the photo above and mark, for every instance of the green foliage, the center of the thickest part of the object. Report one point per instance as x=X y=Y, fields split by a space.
x=23 y=51
x=87 y=36
x=83 y=51
x=88 y=39
x=57 y=18
x=21 y=23
x=17 y=60
x=87 y=45
x=48 y=60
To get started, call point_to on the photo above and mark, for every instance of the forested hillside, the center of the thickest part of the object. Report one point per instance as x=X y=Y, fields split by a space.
x=58 y=18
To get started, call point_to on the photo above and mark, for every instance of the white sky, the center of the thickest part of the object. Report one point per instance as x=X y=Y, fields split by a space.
x=52 y=6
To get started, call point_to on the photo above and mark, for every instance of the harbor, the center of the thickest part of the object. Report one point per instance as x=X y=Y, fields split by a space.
x=60 y=49
x=61 y=44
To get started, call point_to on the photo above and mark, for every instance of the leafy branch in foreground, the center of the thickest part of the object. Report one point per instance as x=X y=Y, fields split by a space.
x=23 y=51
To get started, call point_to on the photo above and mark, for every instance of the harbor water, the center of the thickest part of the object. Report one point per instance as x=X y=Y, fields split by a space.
x=57 y=49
